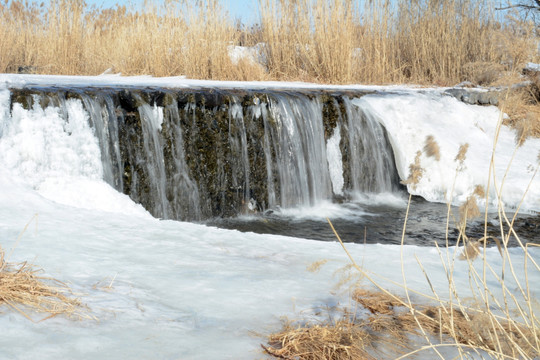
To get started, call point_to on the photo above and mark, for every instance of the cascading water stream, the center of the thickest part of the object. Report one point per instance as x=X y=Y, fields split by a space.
x=298 y=140
x=105 y=125
x=369 y=146
x=213 y=154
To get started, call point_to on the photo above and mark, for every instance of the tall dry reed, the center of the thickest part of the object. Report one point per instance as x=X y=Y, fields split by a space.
x=332 y=41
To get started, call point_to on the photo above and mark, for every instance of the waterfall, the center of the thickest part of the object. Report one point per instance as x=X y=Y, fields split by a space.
x=299 y=145
x=193 y=154
x=372 y=165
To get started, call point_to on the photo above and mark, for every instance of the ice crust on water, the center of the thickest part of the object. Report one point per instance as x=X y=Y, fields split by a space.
x=189 y=291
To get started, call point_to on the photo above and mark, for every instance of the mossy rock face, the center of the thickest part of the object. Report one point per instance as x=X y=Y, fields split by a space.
x=127 y=101
x=24 y=97
x=257 y=159
x=134 y=177
x=224 y=140
x=331 y=114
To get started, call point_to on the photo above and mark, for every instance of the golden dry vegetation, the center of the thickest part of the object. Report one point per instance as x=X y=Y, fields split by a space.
x=24 y=289
x=331 y=41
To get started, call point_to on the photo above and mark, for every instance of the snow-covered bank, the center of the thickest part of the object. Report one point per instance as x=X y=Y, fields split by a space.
x=182 y=290
x=22 y=80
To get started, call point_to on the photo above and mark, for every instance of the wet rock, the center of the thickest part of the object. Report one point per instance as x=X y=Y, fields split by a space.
x=475 y=96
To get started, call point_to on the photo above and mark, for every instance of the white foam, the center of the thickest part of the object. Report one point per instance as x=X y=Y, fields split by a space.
x=321 y=211
x=396 y=199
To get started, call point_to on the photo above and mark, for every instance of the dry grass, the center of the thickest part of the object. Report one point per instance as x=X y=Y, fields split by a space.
x=172 y=38
x=467 y=326
x=415 y=172
x=331 y=41
x=523 y=109
x=340 y=340
x=462 y=153
x=24 y=290
x=469 y=209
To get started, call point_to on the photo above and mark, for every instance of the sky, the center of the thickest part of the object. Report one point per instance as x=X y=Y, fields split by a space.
x=239 y=9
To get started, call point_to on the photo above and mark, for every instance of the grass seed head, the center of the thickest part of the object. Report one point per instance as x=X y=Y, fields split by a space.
x=431 y=148
x=479 y=191
x=415 y=172
x=469 y=209
x=471 y=250
x=462 y=153
x=524 y=129
x=316 y=266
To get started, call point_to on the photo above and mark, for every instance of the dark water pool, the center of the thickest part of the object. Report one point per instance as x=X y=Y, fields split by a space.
x=374 y=222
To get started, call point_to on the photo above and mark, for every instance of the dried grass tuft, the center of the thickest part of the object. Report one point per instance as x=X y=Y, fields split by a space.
x=375 y=301
x=523 y=108
x=394 y=320
x=431 y=148
x=24 y=290
x=340 y=340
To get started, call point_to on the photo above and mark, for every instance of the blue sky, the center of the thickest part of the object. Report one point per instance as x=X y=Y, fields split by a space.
x=242 y=9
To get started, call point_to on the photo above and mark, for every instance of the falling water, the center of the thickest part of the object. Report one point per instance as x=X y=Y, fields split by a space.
x=196 y=154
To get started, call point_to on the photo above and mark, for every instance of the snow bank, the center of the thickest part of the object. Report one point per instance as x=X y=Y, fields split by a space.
x=253 y=55
x=59 y=159
x=410 y=118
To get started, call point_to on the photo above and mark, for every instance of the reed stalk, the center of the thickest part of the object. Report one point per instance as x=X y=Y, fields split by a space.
x=325 y=41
